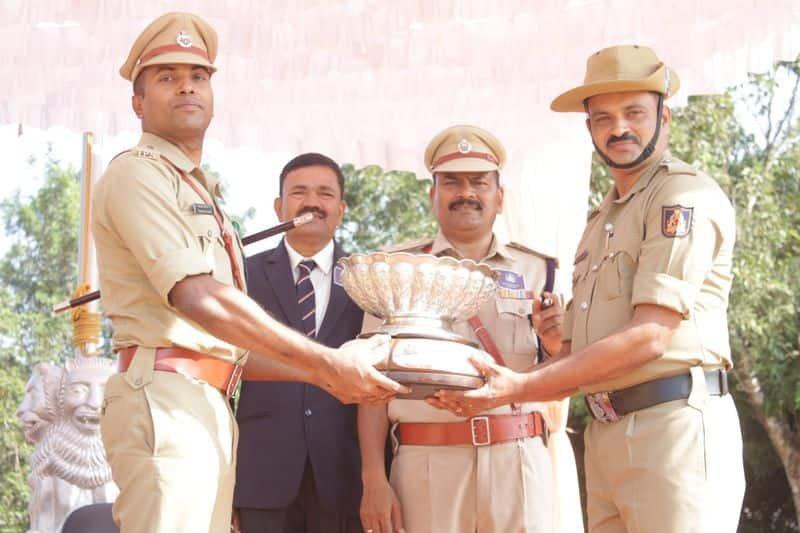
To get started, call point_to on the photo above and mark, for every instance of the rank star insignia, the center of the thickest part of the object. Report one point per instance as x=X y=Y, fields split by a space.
x=184 y=39
x=676 y=220
x=464 y=146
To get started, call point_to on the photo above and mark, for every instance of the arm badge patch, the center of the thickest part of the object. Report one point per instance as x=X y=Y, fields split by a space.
x=676 y=220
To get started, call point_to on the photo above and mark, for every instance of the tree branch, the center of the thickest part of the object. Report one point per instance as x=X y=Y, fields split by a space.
x=774 y=143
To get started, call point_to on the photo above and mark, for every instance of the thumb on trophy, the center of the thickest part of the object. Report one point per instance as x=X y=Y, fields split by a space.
x=484 y=364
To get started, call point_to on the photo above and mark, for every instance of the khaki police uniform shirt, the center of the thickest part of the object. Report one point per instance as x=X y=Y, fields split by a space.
x=668 y=242
x=505 y=317
x=152 y=230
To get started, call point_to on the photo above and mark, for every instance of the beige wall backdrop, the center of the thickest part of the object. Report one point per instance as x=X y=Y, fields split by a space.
x=371 y=81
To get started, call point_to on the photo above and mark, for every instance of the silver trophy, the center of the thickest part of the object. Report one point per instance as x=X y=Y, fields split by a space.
x=419 y=297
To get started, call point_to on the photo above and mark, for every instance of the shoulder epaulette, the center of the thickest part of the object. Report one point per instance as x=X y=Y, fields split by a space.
x=416 y=244
x=147 y=152
x=523 y=248
x=676 y=166
x=144 y=151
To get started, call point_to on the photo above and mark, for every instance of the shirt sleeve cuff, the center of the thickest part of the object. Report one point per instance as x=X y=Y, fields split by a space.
x=665 y=291
x=172 y=268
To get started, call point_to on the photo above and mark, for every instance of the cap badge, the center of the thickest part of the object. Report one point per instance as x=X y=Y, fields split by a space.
x=184 y=39
x=464 y=146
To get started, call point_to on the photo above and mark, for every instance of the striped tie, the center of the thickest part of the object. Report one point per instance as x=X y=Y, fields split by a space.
x=305 y=297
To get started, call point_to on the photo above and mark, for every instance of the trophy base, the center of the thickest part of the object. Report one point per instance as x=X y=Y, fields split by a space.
x=427 y=362
x=424 y=384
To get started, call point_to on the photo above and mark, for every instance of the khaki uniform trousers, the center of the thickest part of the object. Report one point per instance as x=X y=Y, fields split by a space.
x=170 y=441
x=672 y=468
x=501 y=488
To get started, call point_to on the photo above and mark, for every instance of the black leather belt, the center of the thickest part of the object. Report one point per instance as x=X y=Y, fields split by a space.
x=611 y=406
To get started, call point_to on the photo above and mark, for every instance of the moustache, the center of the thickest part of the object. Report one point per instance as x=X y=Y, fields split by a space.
x=475 y=204
x=315 y=210
x=622 y=138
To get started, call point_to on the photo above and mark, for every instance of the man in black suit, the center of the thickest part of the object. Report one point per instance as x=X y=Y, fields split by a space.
x=298 y=463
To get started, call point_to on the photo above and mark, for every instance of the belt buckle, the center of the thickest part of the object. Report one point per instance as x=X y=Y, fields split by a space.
x=601 y=407
x=476 y=425
x=233 y=381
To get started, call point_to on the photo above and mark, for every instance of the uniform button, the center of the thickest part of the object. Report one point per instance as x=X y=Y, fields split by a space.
x=584 y=306
x=210 y=234
x=138 y=381
x=308 y=412
x=594 y=268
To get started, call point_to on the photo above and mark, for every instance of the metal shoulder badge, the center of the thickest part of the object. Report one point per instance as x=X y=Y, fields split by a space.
x=676 y=220
x=146 y=152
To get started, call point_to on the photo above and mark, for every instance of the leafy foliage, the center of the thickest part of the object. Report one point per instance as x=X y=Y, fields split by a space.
x=383 y=208
x=39 y=270
x=14 y=450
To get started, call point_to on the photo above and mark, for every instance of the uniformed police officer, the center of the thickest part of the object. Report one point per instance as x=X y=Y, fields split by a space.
x=646 y=331
x=504 y=482
x=170 y=268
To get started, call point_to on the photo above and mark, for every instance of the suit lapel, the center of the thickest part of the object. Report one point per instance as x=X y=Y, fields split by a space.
x=337 y=301
x=279 y=274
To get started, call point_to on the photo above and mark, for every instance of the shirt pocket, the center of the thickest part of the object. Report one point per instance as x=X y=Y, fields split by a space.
x=617 y=271
x=514 y=330
x=580 y=268
x=206 y=230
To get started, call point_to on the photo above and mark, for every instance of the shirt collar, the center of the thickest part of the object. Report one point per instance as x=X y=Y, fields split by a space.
x=323 y=258
x=442 y=246
x=179 y=159
x=642 y=181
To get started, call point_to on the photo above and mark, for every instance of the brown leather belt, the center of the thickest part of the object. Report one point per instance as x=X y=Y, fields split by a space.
x=219 y=374
x=477 y=431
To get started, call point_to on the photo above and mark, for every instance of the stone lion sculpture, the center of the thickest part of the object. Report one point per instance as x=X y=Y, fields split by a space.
x=40 y=404
x=68 y=465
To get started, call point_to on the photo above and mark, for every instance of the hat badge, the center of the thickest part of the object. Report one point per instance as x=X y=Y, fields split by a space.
x=184 y=39
x=464 y=146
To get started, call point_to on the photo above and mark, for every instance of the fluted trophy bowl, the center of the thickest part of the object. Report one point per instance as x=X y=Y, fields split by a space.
x=418 y=298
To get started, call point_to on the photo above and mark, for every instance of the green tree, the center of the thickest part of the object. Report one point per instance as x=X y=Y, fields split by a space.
x=38 y=270
x=383 y=208
x=759 y=172
x=14 y=450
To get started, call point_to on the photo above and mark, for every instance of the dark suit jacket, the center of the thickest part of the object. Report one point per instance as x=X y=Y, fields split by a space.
x=280 y=423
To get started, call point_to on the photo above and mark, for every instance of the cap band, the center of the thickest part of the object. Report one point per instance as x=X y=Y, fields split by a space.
x=461 y=155
x=166 y=49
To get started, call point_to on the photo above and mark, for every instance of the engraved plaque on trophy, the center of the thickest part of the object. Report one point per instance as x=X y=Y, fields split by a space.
x=419 y=297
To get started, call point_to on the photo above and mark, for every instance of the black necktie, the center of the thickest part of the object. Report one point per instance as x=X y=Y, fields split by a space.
x=305 y=297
